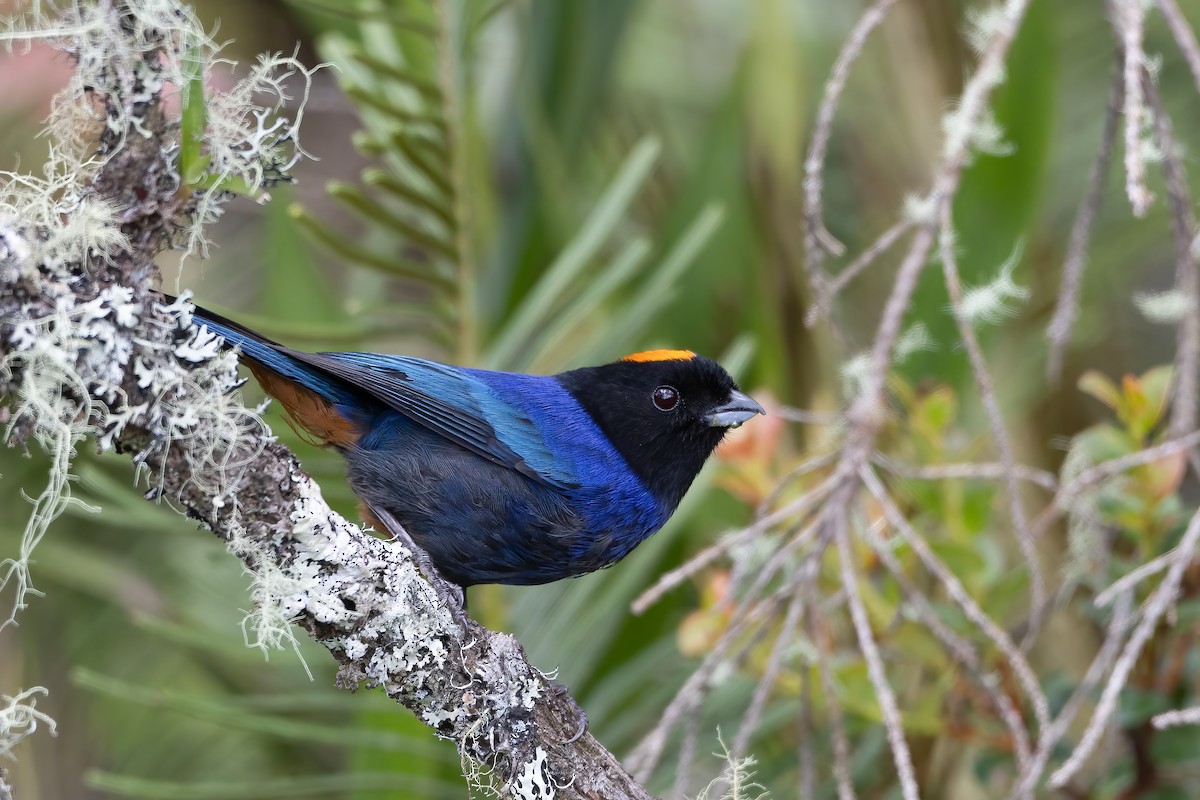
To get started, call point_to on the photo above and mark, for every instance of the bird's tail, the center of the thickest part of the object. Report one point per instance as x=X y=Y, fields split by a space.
x=318 y=402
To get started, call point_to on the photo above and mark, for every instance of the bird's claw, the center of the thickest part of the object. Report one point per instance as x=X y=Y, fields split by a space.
x=560 y=691
x=425 y=565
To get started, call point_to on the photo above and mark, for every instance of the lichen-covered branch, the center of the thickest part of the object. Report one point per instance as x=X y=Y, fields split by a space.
x=88 y=348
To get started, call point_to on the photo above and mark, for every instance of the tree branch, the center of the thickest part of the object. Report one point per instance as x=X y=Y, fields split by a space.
x=134 y=373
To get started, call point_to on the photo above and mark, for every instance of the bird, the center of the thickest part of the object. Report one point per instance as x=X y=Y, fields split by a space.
x=503 y=477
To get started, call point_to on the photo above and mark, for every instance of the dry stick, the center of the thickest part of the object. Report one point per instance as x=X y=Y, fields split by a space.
x=866 y=643
x=1082 y=693
x=968 y=471
x=817 y=239
x=1187 y=280
x=1183 y=716
x=810 y=464
x=1185 y=37
x=710 y=554
x=648 y=753
x=687 y=753
x=763 y=691
x=808 y=779
x=962 y=650
x=834 y=286
x=954 y=588
x=1129 y=13
x=865 y=415
x=833 y=709
x=1059 y=330
x=991 y=405
x=796 y=536
x=1161 y=599
x=1129 y=580
x=1092 y=476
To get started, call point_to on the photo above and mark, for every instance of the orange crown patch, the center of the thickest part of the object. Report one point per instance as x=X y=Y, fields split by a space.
x=661 y=355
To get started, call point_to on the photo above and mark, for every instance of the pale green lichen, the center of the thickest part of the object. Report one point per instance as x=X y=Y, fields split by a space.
x=19 y=718
x=995 y=300
x=855 y=371
x=736 y=781
x=69 y=359
x=1164 y=308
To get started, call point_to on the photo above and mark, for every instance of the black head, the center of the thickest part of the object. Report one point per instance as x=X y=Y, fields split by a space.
x=664 y=410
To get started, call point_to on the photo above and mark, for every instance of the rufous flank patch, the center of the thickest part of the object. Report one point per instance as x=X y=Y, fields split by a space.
x=661 y=355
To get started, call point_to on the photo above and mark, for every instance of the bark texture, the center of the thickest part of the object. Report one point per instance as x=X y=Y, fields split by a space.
x=88 y=347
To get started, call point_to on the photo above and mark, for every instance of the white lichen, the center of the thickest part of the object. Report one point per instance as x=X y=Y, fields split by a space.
x=69 y=355
x=994 y=301
x=736 y=781
x=985 y=24
x=20 y=718
x=1164 y=308
x=855 y=371
x=982 y=134
x=920 y=209
x=534 y=781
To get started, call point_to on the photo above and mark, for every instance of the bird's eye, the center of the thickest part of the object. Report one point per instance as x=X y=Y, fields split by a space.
x=665 y=398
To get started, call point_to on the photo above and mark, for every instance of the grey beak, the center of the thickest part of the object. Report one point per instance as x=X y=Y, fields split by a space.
x=737 y=410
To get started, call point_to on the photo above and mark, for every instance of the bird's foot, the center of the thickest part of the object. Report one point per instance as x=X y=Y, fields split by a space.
x=454 y=593
x=579 y=716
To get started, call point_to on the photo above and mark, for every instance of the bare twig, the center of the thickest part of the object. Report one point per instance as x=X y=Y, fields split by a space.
x=958 y=593
x=1187 y=279
x=967 y=471
x=1129 y=18
x=1160 y=601
x=1093 y=476
x=766 y=683
x=1128 y=581
x=833 y=708
x=964 y=652
x=1059 y=331
x=865 y=414
x=805 y=417
x=805 y=467
x=1185 y=37
x=707 y=556
x=804 y=744
x=866 y=643
x=991 y=405
x=1171 y=719
x=1114 y=637
x=817 y=240
x=648 y=753
x=687 y=753
x=832 y=287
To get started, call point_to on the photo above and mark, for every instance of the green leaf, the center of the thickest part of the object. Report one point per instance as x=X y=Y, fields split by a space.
x=963 y=559
x=229 y=713
x=660 y=289
x=1101 y=387
x=193 y=122
x=554 y=284
x=1105 y=442
x=1156 y=384
x=336 y=784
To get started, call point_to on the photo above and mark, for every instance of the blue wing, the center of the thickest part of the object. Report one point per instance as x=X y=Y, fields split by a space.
x=456 y=404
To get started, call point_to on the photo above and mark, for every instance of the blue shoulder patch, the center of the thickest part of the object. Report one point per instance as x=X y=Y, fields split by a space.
x=462 y=405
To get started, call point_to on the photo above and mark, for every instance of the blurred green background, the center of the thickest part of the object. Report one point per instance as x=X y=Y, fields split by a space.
x=622 y=174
